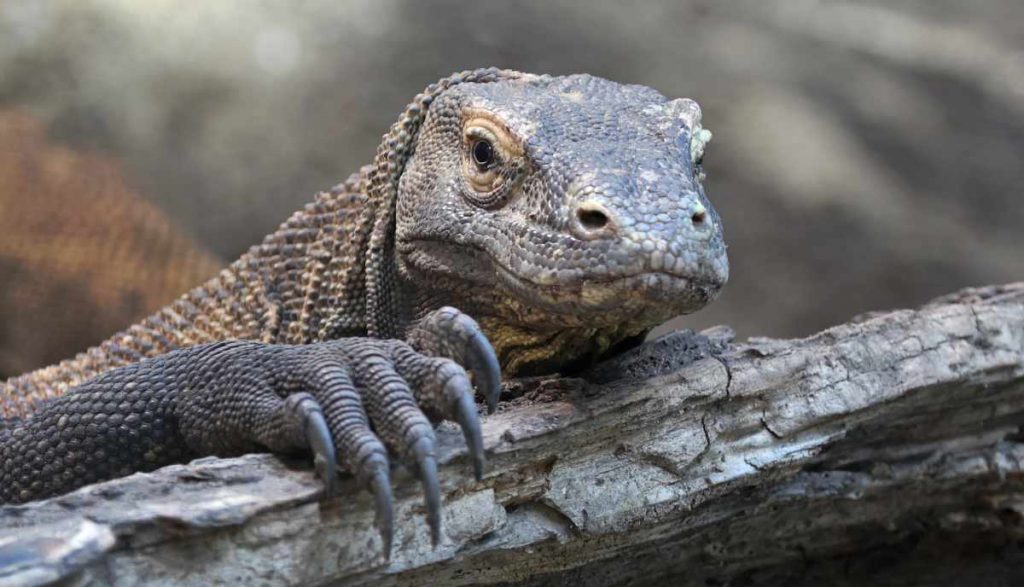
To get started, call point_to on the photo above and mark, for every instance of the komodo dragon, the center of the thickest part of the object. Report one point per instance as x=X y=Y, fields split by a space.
x=565 y=214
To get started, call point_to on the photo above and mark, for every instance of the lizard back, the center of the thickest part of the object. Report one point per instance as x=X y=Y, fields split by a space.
x=299 y=285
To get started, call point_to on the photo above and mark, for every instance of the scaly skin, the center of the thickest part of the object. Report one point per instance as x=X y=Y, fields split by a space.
x=565 y=214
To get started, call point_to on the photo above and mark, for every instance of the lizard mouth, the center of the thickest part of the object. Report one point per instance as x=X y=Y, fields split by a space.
x=634 y=293
x=639 y=292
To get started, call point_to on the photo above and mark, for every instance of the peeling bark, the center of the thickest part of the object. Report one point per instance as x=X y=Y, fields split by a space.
x=888 y=449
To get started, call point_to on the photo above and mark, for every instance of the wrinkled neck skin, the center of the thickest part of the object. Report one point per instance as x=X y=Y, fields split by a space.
x=530 y=339
x=539 y=347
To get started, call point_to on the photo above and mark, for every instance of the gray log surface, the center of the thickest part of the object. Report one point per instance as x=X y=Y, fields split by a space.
x=886 y=450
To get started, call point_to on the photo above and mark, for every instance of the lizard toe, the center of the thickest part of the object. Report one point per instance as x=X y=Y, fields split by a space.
x=483 y=363
x=304 y=409
x=380 y=485
x=360 y=450
x=444 y=391
x=468 y=419
x=398 y=420
x=426 y=470
x=447 y=332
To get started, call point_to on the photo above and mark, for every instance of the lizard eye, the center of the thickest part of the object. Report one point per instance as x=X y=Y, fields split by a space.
x=492 y=159
x=483 y=153
x=483 y=164
x=484 y=159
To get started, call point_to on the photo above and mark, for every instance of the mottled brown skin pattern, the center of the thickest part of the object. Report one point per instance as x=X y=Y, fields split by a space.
x=564 y=214
x=82 y=254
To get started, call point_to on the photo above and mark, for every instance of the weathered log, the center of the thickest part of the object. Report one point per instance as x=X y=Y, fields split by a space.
x=887 y=449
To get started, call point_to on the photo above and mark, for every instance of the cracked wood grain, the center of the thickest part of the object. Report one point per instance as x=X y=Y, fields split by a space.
x=883 y=449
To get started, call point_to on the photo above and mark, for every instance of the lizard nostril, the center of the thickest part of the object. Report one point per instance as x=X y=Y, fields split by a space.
x=592 y=219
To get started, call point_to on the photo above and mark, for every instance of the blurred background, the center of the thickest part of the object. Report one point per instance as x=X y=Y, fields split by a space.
x=867 y=155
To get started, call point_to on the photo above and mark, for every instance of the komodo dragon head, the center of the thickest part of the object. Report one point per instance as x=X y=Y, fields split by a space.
x=564 y=213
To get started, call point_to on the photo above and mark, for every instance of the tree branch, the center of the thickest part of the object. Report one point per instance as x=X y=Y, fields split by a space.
x=886 y=448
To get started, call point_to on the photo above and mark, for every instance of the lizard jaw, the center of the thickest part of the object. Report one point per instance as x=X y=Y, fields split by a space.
x=646 y=298
x=574 y=297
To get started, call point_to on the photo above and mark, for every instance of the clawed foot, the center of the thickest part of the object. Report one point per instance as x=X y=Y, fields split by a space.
x=355 y=401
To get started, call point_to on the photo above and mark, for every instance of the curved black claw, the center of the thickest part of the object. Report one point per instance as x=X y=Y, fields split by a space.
x=483 y=364
x=385 y=522
x=318 y=435
x=426 y=467
x=468 y=419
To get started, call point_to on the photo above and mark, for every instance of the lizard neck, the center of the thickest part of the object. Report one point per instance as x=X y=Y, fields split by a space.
x=311 y=271
x=528 y=351
x=527 y=339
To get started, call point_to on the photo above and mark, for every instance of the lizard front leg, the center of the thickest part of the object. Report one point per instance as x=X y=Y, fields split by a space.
x=352 y=401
